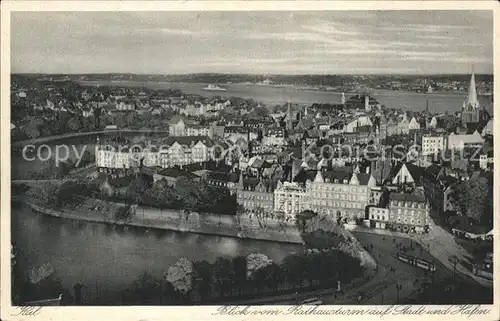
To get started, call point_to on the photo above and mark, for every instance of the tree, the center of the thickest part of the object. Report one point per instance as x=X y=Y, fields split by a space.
x=471 y=197
x=256 y=261
x=270 y=275
x=203 y=278
x=239 y=265
x=180 y=275
x=74 y=124
x=305 y=216
x=222 y=271
x=293 y=267
x=146 y=288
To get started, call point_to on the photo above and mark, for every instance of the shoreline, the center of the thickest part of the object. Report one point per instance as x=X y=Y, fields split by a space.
x=176 y=225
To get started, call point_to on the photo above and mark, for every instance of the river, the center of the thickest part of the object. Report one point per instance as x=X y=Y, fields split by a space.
x=91 y=253
x=438 y=102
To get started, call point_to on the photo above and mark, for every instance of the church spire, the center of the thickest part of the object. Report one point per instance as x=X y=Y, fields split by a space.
x=472 y=103
x=289 y=116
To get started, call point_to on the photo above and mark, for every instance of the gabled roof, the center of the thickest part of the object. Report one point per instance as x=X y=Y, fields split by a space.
x=339 y=174
x=433 y=170
x=188 y=140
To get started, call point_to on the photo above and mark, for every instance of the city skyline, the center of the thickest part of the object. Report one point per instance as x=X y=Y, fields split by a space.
x=273 y=42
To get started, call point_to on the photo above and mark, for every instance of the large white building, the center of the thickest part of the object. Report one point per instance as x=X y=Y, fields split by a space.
x=340 y=194
x=174 y=151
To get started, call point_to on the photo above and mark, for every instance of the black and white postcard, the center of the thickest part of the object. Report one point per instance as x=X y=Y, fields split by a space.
x=248 y=160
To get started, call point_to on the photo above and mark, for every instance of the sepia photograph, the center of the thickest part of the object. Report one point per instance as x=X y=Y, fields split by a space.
x=251 y=158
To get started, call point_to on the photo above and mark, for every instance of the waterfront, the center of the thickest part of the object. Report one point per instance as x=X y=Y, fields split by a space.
x=438 y=102
x=91 y=253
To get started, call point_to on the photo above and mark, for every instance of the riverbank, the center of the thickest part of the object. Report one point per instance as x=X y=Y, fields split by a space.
x=210 y=224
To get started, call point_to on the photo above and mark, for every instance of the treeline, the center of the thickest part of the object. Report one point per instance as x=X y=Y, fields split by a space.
x=183 y=194
x=229 y=279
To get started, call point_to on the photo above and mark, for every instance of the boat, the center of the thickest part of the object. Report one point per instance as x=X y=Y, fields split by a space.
x=212 y=87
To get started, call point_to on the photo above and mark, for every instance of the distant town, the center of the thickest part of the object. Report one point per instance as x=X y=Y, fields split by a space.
x=235 y=167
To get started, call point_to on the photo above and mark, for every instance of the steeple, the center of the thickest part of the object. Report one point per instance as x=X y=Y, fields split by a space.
x=289 y=117
x=471 y=103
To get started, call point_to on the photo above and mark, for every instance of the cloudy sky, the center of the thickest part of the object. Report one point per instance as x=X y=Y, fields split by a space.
x=331 y=42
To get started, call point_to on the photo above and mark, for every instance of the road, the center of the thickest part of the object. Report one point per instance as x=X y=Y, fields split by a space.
x=442 y=246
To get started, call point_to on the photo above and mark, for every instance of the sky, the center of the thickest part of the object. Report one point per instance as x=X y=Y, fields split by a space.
x=266 y=42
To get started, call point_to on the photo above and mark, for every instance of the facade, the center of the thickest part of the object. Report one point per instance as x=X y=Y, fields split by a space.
x=408 y=213
x=414 y=124
x=362 y=121
x=177 y=126
x=378 y=216
x=274 y=137
x=486 y=161
x=254 y=195
x=290 y=198
x=459 y=142
x=184 y=150
x=338 y=193
x=198 y=130
x=113 y=157
x=125 y=105
x=432 y=145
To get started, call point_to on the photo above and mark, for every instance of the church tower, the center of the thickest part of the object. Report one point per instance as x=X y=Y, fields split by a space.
x=470 y=107
x=289 y=118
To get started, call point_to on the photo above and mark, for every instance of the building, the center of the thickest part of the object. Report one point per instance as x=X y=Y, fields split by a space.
x=125 y=105
x=184 y=150
x=408 y=213
x=407 y=173
x=290 y=198
x=274 y=136
x=414 y=124
x=362 y=102
x=177 y=126
x=486 y=161
x=255 y=194
x=488 y=129
x=432 y=145
x=340 y=194
x=198 y=130
x=113 y=157
x=354 y=124
x=459 y=142
x=378 y=216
